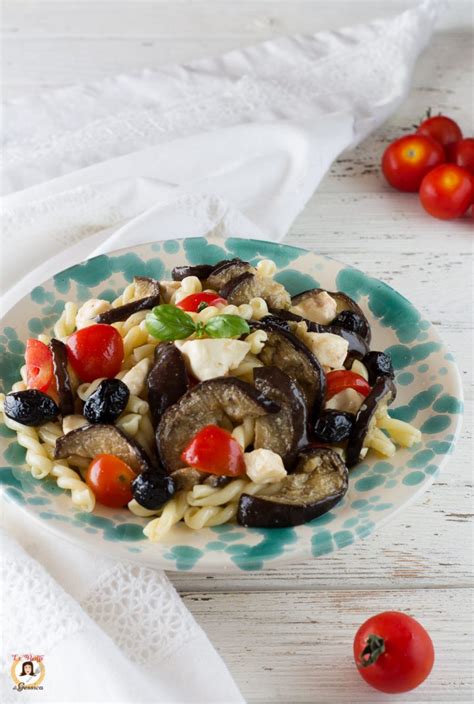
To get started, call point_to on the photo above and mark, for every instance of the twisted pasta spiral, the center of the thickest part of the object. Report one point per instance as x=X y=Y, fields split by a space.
x=66 y=324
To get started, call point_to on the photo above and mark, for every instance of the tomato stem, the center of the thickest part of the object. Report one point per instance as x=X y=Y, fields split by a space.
x=373 y=650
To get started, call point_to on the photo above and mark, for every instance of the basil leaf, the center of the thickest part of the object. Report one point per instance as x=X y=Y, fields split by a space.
x=226 y=326
x=167 y=323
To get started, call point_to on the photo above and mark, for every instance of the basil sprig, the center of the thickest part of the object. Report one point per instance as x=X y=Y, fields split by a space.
x=167 y=322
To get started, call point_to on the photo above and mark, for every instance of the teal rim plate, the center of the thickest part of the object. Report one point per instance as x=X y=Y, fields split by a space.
x=429 y=396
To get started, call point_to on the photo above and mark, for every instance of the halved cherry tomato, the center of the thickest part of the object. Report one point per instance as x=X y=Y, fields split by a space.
x=195 y=301
x=447 y=192
x=110 y=479
x=344 y=379
x=39 y=365
x=95 y=351
x=407 y=160
x=215 y=451
x=443 y=129
x=393 y=652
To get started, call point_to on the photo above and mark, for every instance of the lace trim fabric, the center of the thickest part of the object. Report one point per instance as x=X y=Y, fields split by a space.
x=136 y=606
x=141 y=611
x=280 y=79
x=36 y=612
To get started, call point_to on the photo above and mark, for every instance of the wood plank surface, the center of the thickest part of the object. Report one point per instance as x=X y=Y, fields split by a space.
x=296 y=647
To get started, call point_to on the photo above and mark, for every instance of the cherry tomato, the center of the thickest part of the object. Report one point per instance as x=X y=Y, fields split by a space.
x=442 y=129
x=110 y=479
x=407 y=160
x=463 y=154
x=393 y=652
x=447 y=191
x=95 y=351
x=341 y=379
x=198 y=301
x=39 y=365
x=215 y=451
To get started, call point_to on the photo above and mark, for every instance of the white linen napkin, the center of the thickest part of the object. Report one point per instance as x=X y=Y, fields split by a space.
x=234 y=145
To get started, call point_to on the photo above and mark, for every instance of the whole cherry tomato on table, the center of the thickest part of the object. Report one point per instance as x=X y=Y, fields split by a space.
x=463 y=154
x=443 y=129
x=96 y=351
x=393 y=652
x=111 y=480
x=407 y=160
x=197 y=301
x=215 y=451
x=341 y=379
x=39 y=365
x=447 y=191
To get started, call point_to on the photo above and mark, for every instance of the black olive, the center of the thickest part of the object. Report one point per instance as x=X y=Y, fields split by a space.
x=151 y=489
x=354 y=322
x=30 y=407
x=107 y=402
x=378 y=364
x=333 y=426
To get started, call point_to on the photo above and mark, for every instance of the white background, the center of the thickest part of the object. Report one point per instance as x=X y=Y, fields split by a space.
x=286 y=635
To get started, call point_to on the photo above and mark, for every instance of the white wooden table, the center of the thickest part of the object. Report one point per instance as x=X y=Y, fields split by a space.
x=286 y=634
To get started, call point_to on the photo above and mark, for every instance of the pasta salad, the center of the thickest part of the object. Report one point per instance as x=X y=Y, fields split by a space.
x=210 y=398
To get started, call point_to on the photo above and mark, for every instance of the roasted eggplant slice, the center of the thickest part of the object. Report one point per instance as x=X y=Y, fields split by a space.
x=61 y=377
x=145 y=286
x=225 y=271
x=284 y=350
x=286 y=316
x=248 y=285
x=30 y=407
x=224 y=401
x=319 y=483
x=304 y=302
x=284 y=432
x=167 y=381
x=92 y=440
x=187 y=477
x=382 y=394
x=114 y=315
x=358 y=347
x=202 y=271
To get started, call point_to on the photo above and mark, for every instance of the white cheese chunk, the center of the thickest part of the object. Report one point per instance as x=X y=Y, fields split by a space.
x=330 y=350
x=89 y=310
x=264 y=466
x=348 y=400
x=207 y=359
x=321 y=308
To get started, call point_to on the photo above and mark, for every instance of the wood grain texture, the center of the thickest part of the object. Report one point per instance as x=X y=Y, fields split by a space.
x=286 y=634
x=296 y=647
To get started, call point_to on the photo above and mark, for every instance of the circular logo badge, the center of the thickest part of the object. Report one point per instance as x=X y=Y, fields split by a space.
x=27 y=672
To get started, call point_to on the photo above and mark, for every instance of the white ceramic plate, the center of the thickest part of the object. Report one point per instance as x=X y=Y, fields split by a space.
x=429 y=396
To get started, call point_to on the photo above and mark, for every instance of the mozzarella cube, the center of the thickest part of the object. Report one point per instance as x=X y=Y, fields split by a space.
x=89 y=310
x=321 y=308
x=207 y=359
x=264 y=466
x=330 y=350
x=348 y=400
